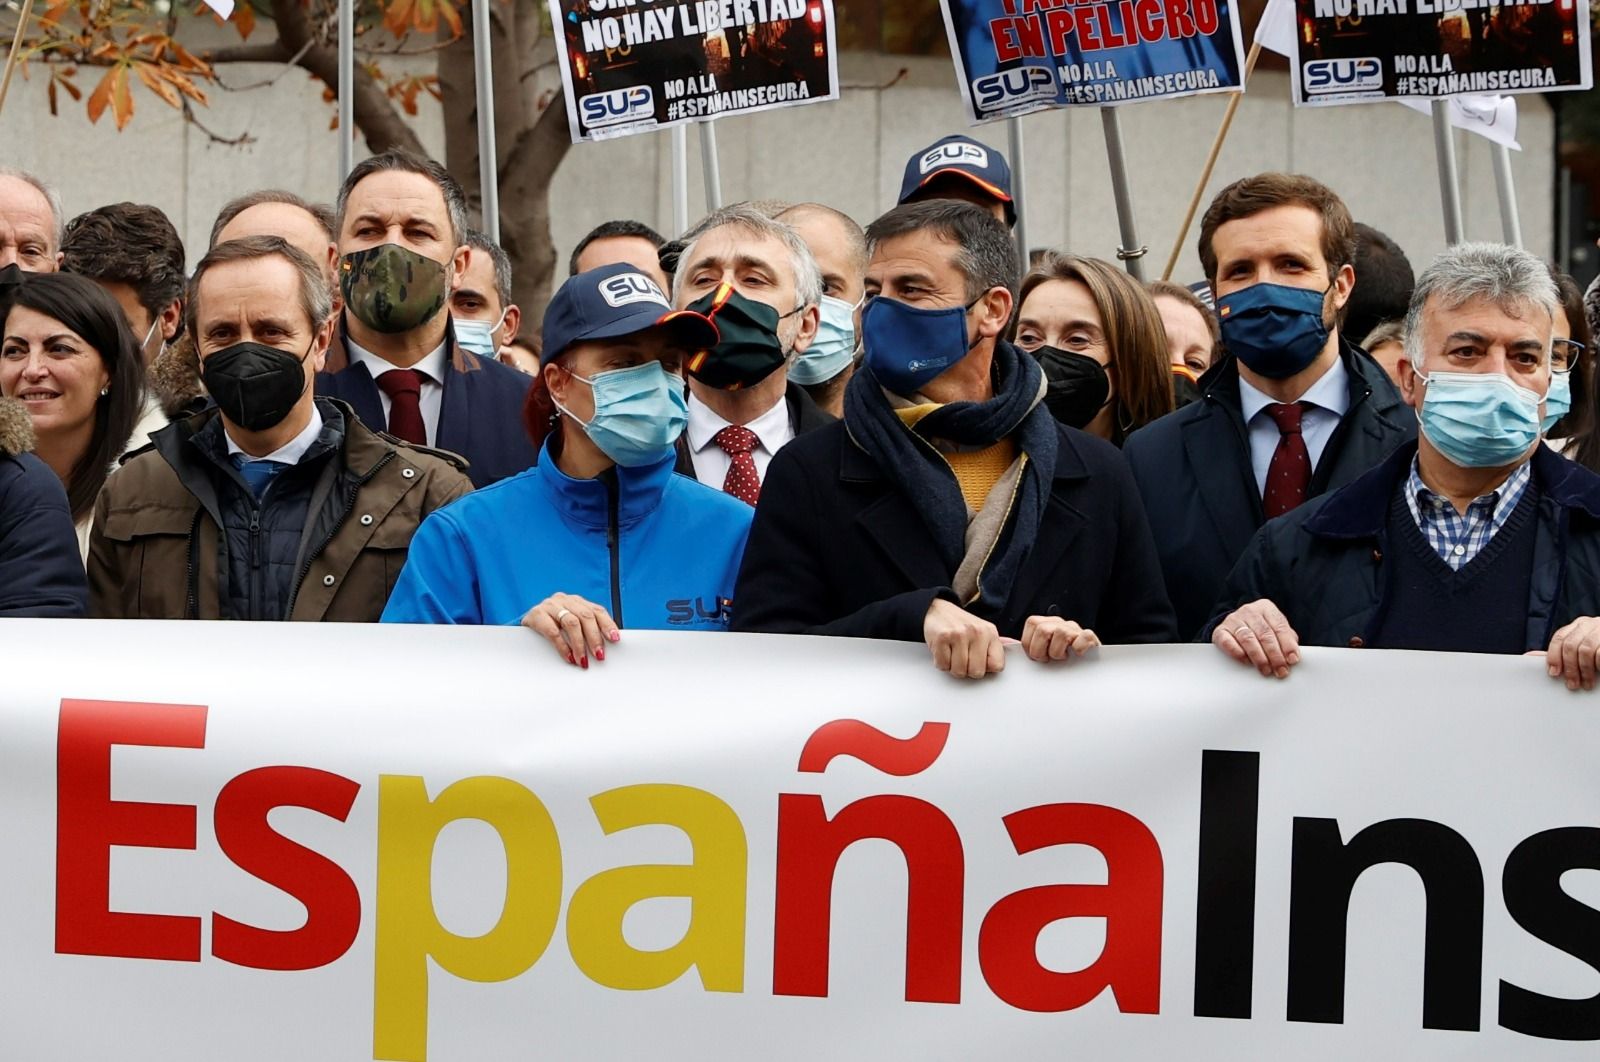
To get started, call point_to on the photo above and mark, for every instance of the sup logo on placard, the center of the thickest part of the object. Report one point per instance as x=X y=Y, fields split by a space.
x=953 y=155
x=1343 y=75
x=618 y=106
x=1013 y=86
x=630 y=288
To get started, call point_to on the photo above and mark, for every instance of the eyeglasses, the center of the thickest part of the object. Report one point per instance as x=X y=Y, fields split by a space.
x=1564 y=354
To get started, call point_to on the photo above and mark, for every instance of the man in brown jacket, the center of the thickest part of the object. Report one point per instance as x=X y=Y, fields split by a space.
x=275 y=504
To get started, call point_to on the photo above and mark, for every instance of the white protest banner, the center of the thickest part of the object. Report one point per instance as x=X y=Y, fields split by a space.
x=271 y=841
x=1017 y=56
x=1358 y=51
x=635 y=66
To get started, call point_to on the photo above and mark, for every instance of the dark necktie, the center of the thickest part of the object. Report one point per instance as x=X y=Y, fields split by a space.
x=404 y=388
x=742 y=481
x=1289 y=475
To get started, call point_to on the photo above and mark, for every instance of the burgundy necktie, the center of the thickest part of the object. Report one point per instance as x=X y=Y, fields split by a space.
x=742 y=481
x=404 y=388
x=1289 y=475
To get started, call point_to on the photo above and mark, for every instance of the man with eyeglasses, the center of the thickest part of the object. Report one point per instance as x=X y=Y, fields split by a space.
x=1475 y=538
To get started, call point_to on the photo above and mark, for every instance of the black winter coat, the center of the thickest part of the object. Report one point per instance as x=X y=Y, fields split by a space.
x=1199 y=487
x=1324 y=564
x=838 y=549
x=41 y=573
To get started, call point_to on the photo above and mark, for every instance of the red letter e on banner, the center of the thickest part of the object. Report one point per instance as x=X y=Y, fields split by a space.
x=89 y=822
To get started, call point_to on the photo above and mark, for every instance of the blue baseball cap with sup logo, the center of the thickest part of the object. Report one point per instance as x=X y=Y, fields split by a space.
x=961 y=156
x=617 y=300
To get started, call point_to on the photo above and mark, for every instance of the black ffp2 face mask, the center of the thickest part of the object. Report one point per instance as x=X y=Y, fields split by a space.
x=1076 y=386
x=254 y=385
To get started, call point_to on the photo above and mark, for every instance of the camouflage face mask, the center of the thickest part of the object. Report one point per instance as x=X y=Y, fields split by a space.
x=390 y=288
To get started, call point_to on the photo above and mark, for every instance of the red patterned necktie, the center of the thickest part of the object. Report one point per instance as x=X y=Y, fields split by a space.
x=742 y=481
x=1289 y=475
x=404 y=388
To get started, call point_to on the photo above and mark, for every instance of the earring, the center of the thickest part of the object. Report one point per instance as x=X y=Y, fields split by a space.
x=104 y=391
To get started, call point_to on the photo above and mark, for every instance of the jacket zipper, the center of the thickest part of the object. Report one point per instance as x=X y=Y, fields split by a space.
x=191 y=608
x=349 y=506
x=613 y=545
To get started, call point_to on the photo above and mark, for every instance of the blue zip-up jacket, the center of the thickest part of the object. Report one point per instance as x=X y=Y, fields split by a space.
x=656 y=549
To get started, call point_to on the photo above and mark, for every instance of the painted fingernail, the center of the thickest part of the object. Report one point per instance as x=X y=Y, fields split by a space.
x=615 y=636
x=584 y=663
x=600 y=654
x=572 y=660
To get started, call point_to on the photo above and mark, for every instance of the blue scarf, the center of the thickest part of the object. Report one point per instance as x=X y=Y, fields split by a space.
x=927 y=482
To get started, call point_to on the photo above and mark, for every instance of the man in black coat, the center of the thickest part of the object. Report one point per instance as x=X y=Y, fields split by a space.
x=756 y=278
x=948 y=506
x=394 y=357
x=1477 y=538
x=1293 y=412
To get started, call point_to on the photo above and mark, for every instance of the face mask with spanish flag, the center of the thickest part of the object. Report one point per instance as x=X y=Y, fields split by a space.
x=750 y=349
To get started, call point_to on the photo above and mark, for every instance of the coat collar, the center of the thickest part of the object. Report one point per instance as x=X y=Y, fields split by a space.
x=1219 y=387
x=460 y=360
x=1361 y=509
x=16 y=428
x=587 y=502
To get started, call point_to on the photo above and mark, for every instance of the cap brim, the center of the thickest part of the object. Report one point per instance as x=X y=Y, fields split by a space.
x=990 y=189
x=696 y=330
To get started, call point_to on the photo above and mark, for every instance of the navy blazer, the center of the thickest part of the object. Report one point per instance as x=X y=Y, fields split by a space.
x=480 y=418
x=1325 y=563
x=838 y=549
x=1194 y=471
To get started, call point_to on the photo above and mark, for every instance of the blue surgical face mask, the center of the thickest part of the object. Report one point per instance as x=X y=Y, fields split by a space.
x=639 y=412
x=1559 y=401
x=478 y=337
x=907 y=346
x=832 y=348
x=1478 y=419
x=1274 y=330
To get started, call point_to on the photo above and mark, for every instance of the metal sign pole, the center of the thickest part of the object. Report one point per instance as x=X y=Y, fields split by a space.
x=347 y=88
x=709 y=166
x=1444 y=147
x=488 y=157
x=1505 y=185
x=680 y=179
x=1017 y=185
x=1132 y=251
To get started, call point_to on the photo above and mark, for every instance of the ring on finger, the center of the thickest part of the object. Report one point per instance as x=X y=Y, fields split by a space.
x=1243 y=628
x=563 y=614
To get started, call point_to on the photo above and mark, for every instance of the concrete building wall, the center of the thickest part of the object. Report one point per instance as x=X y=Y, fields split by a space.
x=849 y=153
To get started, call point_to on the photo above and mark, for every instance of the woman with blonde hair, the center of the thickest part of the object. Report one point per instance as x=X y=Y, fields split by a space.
x=1098 y=336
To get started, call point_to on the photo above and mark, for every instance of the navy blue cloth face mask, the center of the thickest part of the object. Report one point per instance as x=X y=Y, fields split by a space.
x=1273 y=329
x=907 y=346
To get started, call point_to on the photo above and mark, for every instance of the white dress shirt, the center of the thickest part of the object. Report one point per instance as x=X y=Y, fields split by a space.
x=290 y=452
x=1326 y=403
x=432 y=397
x=711 y=462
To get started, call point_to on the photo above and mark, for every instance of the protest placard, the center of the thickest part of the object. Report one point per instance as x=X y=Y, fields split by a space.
x=1017 y=56
x=726 y=847
x=633 y=66
x=1358 y=51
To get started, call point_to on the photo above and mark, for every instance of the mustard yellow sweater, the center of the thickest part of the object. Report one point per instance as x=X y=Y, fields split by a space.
x=976 y=471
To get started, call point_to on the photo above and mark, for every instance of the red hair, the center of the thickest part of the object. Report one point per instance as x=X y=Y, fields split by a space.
x=539 y=414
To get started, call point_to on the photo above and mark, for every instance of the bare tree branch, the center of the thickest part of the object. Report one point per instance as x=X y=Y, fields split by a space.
x=249 y=53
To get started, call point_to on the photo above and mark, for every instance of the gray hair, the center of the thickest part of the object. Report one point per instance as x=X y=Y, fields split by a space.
x=399 y=159
x=855 y=236
x=322 y=215
x=479 y=241
x=1387 y=332
x=807 y=277
x=986 y=253
x=58 y=217
x=315 y=297
x=1512 y=279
